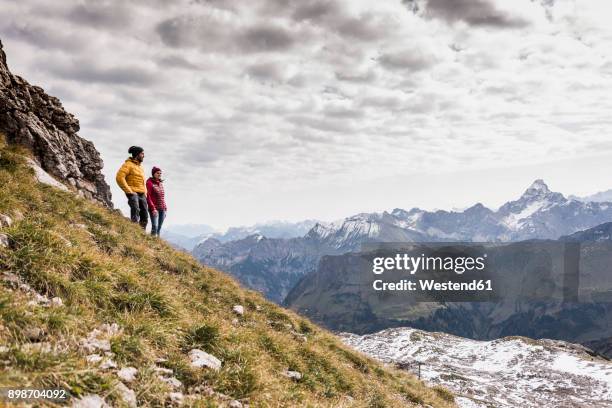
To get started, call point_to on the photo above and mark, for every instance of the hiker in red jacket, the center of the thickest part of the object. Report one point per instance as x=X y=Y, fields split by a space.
x=156 y=201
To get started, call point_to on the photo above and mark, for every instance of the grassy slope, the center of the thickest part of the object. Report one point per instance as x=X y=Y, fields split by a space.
x=167 y=304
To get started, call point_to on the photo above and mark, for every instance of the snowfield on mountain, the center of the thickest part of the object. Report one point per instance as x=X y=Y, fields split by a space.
x=505 y=373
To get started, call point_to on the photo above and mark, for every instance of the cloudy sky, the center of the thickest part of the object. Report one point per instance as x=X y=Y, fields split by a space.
x=279 y=109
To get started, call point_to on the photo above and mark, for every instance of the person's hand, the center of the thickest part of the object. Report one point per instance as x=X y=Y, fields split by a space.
x=154 y=213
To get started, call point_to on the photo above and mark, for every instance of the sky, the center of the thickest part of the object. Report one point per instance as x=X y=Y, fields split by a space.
x=319 y=109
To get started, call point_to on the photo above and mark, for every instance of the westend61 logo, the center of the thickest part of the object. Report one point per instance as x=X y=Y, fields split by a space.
x=413 y=264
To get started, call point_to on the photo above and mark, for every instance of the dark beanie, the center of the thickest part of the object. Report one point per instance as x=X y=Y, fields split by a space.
x=135 y=150
x=155 y=170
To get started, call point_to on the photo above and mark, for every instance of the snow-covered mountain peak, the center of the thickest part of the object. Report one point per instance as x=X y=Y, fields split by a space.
x=401 y=213
x=538 y=186
x=322 y=230
x=539 y=191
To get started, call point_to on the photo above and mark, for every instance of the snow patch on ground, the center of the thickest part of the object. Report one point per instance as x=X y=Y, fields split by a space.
x=505 y=373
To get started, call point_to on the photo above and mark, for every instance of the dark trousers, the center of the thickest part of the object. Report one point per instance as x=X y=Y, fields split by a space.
x=157 y=220
x=138 y=209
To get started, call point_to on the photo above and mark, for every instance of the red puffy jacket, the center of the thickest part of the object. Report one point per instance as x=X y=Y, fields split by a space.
x=155 y=195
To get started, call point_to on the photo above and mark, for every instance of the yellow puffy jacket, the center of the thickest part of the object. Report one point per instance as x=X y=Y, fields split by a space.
x=131 y=178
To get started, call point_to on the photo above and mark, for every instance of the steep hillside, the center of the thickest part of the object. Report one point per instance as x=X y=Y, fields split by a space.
x=91 y=304
x=271 y=266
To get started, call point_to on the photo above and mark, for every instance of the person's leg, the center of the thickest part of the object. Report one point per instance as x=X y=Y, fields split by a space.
x=134 y=210
x=154 y=218
x=144 y=211
x=160 y=221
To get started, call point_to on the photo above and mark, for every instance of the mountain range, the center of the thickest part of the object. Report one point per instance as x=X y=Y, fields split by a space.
x=261 y=262
x=597 y=197
x=187 y=236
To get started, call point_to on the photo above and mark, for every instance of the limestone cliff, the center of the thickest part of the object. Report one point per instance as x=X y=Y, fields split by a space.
x=38 y=121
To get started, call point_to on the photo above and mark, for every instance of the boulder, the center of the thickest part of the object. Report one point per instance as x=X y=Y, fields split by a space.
x=200 y=359
x=127 y=374
x=238 y=309
x=294 y=375
x=127 y=396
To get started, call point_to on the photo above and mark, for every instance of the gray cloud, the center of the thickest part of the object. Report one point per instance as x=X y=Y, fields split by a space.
x=315 y=9
x=367 y=27
x=258 y=98
x=100 y=15
x=44 y=37
x=366 y=76
x=176 y=61
x=411 y=60
x=265 y=37
x=190 y=31
x=266 y=71
x=473 y=12
x=86 y=71
x=213 y=35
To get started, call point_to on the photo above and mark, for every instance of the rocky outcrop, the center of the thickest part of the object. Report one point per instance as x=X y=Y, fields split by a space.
x=37 y=121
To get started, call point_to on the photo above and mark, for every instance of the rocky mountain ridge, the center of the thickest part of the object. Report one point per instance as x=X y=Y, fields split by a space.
x=538 y=213
x=31 y=118
x=189 y=236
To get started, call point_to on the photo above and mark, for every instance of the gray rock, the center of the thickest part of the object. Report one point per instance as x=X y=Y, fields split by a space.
x=127 y=374
x=43 y=177
x=172 y=381
x=31 y=118
x=176 y=398
x=238 y=309
x=90 y=401
x=5 y=221
x=200 y=358
x=94 y=358
x=127 y=396
x=235 y=404
x=294 y=375
x=4 y=241
x=34 y=333
x=163 y=371
x=107 y=364
x=12 y=279
x=99 y=339
x=57 y=302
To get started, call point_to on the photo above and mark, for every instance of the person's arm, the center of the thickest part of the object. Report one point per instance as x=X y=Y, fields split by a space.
x=120 y=178
x=150 y=196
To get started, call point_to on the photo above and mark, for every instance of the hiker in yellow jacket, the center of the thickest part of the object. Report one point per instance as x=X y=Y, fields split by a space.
x=131 y=179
